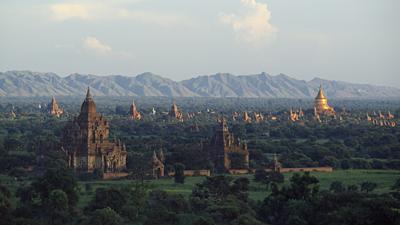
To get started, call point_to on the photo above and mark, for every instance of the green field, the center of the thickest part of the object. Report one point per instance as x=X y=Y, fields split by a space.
x=384 y=178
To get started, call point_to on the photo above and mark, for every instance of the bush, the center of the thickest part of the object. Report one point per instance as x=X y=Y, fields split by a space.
x=105 y=216
x=179 y=173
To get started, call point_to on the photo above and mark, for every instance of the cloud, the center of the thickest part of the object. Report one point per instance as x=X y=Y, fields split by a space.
x=252 y=23
x=112 y=10
x=69 y=11
x=94 y=44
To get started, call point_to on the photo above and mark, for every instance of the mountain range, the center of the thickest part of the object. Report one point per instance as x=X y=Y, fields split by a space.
x=28 y=84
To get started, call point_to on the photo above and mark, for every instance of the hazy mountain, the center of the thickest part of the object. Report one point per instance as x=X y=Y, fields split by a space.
x=26 y=83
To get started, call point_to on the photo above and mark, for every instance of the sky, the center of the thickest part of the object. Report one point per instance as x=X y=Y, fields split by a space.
x=348 y=40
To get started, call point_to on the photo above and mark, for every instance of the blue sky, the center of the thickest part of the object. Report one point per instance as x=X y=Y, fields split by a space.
x=349 y=40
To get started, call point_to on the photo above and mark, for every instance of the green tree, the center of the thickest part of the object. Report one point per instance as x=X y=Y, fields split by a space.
x=58 y=207
x=108 y=197
x=396 y=185
x=60 y=178
x=337 y=187
x=179 y=176
x=5 y=206
x=106 y=216
x=137 y=196
x=368 y=186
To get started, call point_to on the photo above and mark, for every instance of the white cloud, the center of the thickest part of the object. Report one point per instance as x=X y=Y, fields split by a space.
x=252 y=23
x=69 y=11
x=94 y=44
x=111 y=10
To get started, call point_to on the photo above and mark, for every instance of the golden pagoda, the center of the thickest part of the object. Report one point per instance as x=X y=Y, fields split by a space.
x=321 y=104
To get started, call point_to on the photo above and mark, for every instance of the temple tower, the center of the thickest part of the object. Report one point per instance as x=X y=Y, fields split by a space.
x=54 y=109
x=86 y=141
x=135 y=115
x=321 y=103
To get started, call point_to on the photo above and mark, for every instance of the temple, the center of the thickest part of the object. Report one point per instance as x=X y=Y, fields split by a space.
x=258 y=117
x=86 y=142
x=296 y=115
x=246 y=117
x=54 y=109
x=175 y=113
x=321 y=104
x=227 y=152
x=135 y=115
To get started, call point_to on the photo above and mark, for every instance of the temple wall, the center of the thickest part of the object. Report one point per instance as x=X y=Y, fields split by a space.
x=239 y=171
x=193 y=173
x=305 y=169
x=111 y=176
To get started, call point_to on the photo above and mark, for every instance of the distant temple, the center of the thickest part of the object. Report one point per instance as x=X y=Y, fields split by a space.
x=382 y=120
x=86 y=142
x=246 y=117
x=54 y=109
x=226 y=151
x=321 y=104
x=296 y=115
x=135 y=115
x=258 y=117
x=175 y=113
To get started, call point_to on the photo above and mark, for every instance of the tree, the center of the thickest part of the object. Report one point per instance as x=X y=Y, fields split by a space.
x=163 y=208
x=276 y=177
x=111 y=197
x=5 y=205
x=368 y=186
x=137 y=196
x=396 y=185
x=203 y=221
x=303 y=186
x=106 y=216
x=240 y=187
x=60 y=178
x=337 y=187
x=179 y=176
x=58 y=207
x=260 y=175
x=268 y=177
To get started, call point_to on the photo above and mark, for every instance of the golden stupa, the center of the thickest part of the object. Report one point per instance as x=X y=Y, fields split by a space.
x=321 y=103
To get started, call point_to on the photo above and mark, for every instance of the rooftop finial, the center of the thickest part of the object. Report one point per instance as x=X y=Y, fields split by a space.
x=88 y=95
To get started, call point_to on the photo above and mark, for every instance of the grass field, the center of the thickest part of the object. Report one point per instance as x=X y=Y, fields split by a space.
x=384 y=178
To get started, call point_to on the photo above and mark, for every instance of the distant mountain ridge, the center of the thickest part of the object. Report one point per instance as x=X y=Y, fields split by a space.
x=27 y=83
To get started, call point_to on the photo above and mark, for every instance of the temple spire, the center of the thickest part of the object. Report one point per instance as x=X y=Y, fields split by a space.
x=88 y=95
x=321 y=94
